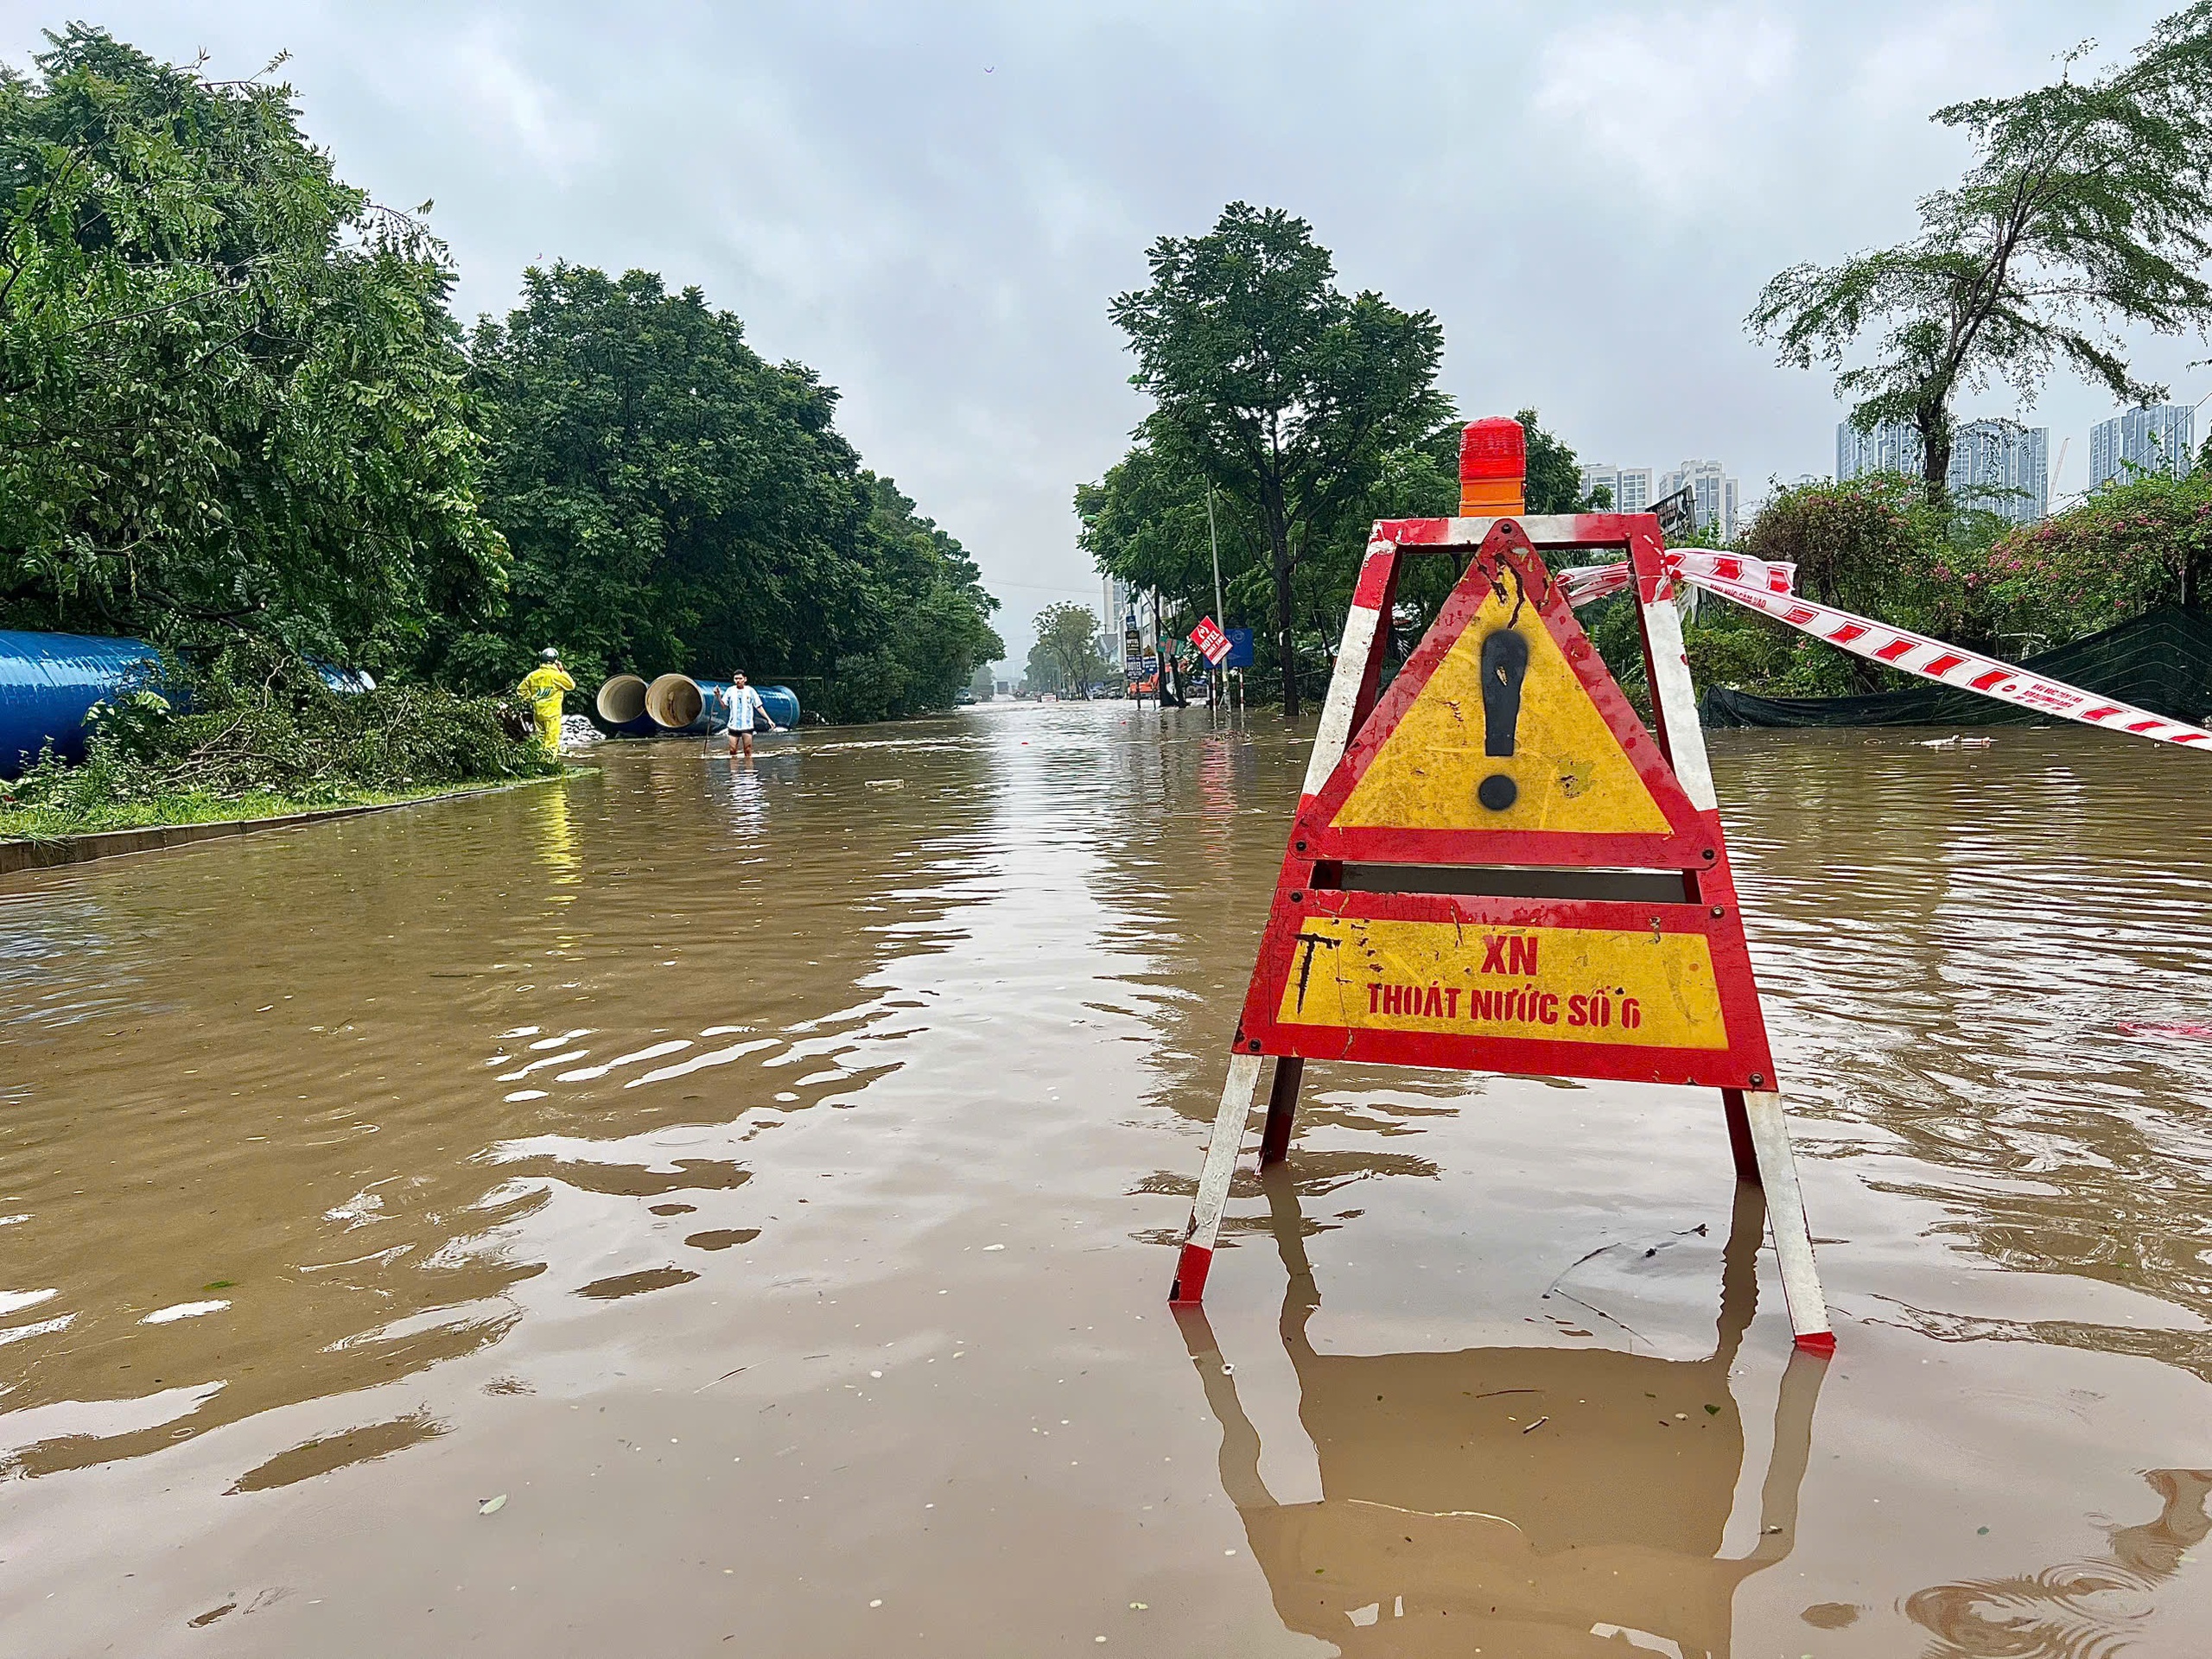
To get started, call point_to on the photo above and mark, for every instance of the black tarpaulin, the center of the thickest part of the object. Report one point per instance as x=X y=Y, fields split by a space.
x=2161 y=662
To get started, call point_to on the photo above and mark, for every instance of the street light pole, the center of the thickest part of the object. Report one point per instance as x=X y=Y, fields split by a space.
x=1220 y=612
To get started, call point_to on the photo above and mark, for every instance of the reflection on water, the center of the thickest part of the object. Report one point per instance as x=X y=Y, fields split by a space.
x=2080 y=1609
x=363 y=1144
x=341 y=1098
x=1511 y=1500
x=1954 y=947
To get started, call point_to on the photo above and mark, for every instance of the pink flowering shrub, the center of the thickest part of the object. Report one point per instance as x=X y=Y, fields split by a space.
x=2128 y=548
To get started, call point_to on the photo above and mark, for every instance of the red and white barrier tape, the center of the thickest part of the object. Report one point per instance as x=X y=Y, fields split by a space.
x=1769 y=590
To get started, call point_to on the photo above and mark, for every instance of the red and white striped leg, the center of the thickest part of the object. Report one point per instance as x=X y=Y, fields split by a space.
x=1340 y=709
x=1785 y=1211
x=1191 y=1268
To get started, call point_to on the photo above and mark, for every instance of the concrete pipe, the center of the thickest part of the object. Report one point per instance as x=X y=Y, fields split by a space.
x=677 y=702
x=621 y=706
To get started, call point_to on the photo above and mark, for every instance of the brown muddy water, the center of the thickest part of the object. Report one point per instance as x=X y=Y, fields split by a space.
x=688 y=1211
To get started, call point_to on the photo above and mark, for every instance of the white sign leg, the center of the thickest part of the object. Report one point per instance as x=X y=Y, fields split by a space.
x=1785 y=1209
x=1213 y=1181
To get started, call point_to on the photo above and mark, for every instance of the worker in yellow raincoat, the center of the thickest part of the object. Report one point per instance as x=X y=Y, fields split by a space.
x=543 y=685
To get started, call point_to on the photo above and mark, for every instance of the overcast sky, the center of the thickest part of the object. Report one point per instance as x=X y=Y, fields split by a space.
x=931 y=204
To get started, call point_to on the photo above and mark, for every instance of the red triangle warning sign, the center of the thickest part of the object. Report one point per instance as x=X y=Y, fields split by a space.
x=1503 y=874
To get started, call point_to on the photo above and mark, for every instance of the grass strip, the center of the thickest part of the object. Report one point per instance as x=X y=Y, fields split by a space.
x=39 y=822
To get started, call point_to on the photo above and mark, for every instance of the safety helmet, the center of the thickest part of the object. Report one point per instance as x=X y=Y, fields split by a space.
x=552 y=653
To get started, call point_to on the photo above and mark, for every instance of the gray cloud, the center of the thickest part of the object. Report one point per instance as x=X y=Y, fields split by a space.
x=931 y=205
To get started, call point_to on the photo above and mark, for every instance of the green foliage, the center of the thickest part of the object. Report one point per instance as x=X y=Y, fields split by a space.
x=231 y=399
x=1282 y=390
x=1067 y=656
x=1145 y=523
x=230 y=391
x=675 y=502
x=1853 y=543
x=1555 y=476
x=2129 y=548
x=252 y=720
x=1877 y=546
x=2089 y=210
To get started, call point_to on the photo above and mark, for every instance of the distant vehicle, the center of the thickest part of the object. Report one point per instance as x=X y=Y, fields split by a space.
x=965 y=697
x=1049 y=696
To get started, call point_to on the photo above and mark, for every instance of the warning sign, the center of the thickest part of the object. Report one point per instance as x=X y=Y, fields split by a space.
x=1503 y=735
x=1567 y=984
x=1210 y=639
x=1496 y=867
x=1411 y=927
x=1504 y=741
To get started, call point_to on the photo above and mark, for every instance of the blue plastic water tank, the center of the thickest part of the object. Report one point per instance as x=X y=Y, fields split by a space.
x=48 y=683
x=780 y=701
x=782 y=704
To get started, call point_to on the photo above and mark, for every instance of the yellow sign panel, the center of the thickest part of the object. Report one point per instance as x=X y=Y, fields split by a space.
x=1503 y=736
x=1644 y=989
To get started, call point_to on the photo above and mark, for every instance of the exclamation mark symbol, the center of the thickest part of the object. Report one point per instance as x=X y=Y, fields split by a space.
x=1505 y=663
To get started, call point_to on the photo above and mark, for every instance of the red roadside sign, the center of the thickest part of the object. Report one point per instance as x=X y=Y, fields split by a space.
x=1210 y=639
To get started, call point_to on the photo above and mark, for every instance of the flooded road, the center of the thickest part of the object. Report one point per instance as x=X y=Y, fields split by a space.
x=689 y=1211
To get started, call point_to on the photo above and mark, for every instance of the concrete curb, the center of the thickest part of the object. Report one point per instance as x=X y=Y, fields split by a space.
x=18 y=855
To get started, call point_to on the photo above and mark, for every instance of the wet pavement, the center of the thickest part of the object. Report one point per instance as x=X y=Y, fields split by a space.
x=689 y=1211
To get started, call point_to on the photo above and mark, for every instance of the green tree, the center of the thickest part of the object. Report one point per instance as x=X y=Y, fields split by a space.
x=1867 y=544
x=1554 y=477
x=1066 y=653
x=675 y=502
x=230 y=391
x=1286 y=391
x=2086 y=212
x=1145 y=523
x=1875 y=545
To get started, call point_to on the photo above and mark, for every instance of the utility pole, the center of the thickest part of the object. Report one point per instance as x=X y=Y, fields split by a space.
x=1220 y=612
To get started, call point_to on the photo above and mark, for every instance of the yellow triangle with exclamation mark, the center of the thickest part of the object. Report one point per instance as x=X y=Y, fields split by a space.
x=1566 y=772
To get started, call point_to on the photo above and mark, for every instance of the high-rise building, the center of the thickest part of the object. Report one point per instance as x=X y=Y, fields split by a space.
x=2004 y=466
x=1713 y=494
x=2159 y=439
x=1996 y=464
x=1116 y=603
x=1891 y=447
x=1629 y=486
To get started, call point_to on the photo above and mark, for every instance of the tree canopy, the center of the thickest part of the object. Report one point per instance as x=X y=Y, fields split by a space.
x=229 y=391
x=1878 y=545
x=1065 y=656
x=1145 y=522
x=2087 y=211
x=675 y=501
x=1283 y=391
x=234 y=400
x=2128 y=547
